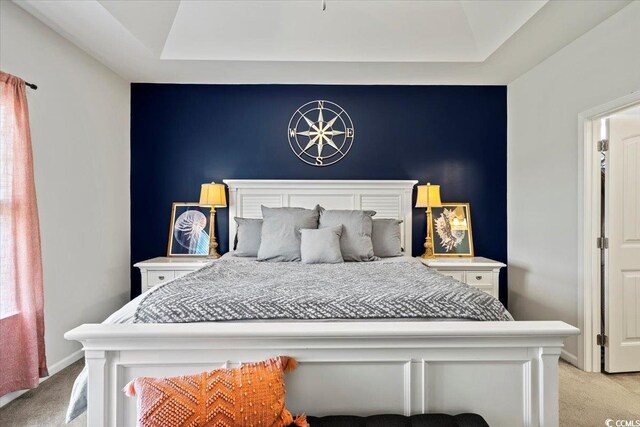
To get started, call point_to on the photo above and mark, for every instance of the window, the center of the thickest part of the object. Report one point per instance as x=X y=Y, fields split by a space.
x=22 y=357
x=7 y=272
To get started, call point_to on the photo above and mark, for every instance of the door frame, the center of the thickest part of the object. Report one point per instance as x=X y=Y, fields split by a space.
x=589 y=297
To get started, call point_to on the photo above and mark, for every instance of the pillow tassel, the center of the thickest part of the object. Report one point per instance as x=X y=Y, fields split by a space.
x=130 y=389
x=288 y=363
x=301 y=421
x=286 y=418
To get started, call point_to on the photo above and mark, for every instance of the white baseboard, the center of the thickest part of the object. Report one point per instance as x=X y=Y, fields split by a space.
x=53 y=369
x=569 y=357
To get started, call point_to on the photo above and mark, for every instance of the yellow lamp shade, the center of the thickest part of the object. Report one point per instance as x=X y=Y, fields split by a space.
x=428 y=196
x=213 y=195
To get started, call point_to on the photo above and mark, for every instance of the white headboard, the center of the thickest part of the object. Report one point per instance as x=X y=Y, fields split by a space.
x=390 y=199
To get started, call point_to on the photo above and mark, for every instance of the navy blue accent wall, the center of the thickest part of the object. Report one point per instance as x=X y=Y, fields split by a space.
x=184 y=135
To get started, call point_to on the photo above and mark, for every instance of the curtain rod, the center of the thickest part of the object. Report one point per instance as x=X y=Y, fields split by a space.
x=31 y=85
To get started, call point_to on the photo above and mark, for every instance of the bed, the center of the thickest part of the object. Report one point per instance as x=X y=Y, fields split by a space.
x=469 y=357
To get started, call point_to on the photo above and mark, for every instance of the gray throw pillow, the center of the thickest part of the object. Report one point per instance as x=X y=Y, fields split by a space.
x=280 y=237
x=247 y=236
x=355 y=242
x=321 y=245
x=385 y=236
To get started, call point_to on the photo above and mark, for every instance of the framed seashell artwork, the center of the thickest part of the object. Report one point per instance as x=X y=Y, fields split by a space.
x=189 y=230
x=452 y=236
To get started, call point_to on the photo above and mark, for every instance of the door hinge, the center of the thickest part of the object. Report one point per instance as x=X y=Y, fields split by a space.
x=602 y=243
x=603 y=145
x=602 y=340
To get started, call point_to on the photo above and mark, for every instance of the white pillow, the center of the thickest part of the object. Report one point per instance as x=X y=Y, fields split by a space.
x=321 y=246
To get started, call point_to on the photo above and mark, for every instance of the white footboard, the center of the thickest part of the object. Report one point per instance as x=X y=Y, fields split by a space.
x=505 y=371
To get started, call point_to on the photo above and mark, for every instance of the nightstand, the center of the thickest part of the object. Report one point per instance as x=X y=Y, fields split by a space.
x=162 y=269
x=482 y=273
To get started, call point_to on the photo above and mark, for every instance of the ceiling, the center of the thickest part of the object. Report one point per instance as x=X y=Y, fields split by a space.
x=347 y=31
x=296 y=41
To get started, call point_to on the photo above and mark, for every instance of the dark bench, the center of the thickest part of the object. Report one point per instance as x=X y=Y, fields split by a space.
x=424 y=420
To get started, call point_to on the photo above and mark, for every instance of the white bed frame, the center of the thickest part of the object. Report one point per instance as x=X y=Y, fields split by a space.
x=505 y=371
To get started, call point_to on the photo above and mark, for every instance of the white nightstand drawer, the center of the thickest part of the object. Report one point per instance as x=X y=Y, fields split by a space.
x=458 y=275
x=155 y=277
x=162 y=269
x=476 y=278
x=484 y=288
x=481 y=273
x=180 y=273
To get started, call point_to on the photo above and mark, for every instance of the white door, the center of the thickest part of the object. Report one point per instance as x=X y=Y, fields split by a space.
x=622 y=354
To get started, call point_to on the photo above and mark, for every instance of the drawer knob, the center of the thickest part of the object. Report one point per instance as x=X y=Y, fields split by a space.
x=478 y=277
x=161 y=277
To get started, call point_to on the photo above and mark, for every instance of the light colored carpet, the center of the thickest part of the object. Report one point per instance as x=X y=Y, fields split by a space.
x=585 y=399
x=589 y=399
x=45 y=406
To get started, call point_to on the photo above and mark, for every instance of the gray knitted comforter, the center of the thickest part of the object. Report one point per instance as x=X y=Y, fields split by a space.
x=232 y=290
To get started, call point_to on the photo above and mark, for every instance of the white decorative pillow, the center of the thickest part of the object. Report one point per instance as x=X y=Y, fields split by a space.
x=321 y=246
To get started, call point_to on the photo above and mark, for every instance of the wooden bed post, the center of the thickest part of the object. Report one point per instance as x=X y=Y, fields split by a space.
x=97 y=398
x=549 y=387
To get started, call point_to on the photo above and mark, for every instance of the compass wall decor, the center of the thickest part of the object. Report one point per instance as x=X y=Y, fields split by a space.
x=320 y=133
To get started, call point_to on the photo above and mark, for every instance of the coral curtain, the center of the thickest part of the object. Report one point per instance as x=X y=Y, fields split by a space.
x=22 y=356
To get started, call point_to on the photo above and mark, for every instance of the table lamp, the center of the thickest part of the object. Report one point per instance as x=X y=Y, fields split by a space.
x=428 y=197
x=213 y=195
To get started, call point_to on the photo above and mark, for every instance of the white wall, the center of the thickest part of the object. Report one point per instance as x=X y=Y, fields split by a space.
x=542 y=166
x=80 y=134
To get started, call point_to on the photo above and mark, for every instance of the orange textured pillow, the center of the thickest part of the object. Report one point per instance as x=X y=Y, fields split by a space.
x=249 y=396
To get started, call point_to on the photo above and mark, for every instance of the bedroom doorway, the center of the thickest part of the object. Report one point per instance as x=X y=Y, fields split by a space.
x=611 y=298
